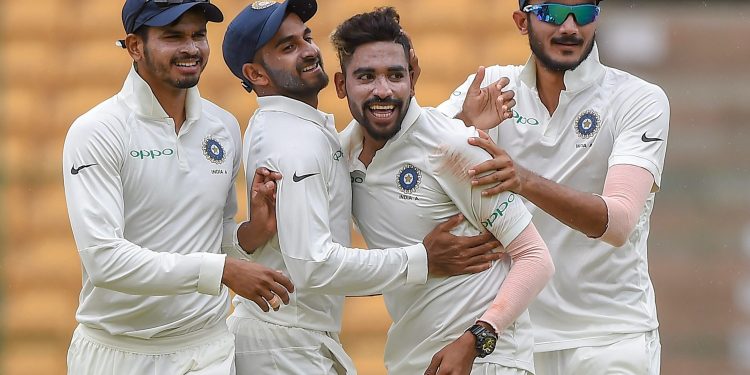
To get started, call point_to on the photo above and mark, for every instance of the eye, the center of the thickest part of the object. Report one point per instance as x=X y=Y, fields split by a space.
x=396 y=76
x=308 y=38
x=287 y=47
x=365 y=77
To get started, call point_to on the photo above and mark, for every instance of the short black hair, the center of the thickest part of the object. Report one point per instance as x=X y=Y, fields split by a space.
x=380 y=25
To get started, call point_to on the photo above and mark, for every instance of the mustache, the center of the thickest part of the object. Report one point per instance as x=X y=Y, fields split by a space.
x=568 y=39
x=185 y=56
x=397 y=102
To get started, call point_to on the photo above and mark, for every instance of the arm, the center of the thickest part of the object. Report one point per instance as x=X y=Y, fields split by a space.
x=96 y=208
x=530 y=271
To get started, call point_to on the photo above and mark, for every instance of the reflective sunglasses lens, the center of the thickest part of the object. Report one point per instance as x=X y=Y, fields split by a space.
x=556 y=14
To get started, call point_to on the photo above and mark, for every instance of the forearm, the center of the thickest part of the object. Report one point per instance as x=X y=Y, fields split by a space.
x=531 y=270
x=125 y=267
x=252 y=235
x=584 y=212
x=626 y=189
x=352 y=272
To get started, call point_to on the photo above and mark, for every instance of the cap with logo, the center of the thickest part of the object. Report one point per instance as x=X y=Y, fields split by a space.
x=157 y=13
x=254 y=26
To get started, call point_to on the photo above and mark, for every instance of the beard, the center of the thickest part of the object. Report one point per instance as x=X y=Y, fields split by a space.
x=379 y=133
x=537 y=48
x=292 y=85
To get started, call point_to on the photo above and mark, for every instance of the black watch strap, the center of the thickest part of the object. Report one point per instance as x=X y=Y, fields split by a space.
x=485 y=340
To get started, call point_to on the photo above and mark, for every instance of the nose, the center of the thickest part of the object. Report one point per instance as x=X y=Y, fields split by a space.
x=382 y=88
x=569 y=26
x=191 y=47
x=309 y=50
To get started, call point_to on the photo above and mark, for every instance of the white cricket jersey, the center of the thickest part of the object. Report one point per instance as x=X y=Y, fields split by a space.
x=415 y=182
x=605 y=117
x=313 y=212
x=150 y=210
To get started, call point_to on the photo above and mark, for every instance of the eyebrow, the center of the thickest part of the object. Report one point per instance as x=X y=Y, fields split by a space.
x=290 y=37
x=393 y=68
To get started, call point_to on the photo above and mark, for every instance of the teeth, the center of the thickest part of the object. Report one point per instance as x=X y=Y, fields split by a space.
x=309 y=68
x=187 y=64
x=382 y=107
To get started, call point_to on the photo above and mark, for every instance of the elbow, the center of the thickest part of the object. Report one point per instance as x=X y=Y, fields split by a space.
x=616 y=241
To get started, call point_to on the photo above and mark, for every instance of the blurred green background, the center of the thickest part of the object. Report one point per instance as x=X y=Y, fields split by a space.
x=58 y=59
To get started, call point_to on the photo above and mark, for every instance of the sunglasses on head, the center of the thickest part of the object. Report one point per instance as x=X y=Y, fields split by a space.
x=556 y=14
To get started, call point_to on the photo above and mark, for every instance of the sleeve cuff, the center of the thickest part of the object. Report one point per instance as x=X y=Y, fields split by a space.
x=209 y=278
x=416 y=269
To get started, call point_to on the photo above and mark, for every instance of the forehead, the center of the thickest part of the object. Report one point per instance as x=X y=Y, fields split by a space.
x=378 y=55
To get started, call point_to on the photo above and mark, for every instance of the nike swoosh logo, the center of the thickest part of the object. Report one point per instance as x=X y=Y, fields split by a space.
x=644 y=138
x=296 y=178
x=74 y=170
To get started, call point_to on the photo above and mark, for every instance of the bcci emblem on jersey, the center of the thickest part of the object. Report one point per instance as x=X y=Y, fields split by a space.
x=587 y=124
x=213 y=150
x=409 y=178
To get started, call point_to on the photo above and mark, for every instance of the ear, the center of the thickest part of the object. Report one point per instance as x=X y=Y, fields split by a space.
x=340 y=81
x=521 y=20
x=135 y=46
x=255 y=74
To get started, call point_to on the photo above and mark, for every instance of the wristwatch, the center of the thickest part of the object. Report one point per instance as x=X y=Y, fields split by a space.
x=485 y=340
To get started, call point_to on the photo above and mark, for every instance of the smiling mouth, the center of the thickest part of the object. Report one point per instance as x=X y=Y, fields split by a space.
x=312 y=67
x=191 y=63
x=382 y=110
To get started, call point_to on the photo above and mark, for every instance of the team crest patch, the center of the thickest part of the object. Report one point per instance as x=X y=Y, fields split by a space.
x=260 y=5
x=587 y=124
x=213 y=150
x=409 y=178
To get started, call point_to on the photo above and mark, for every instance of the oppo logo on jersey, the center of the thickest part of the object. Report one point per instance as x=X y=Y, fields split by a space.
x=151 y=154
x=499 y=211
x=524 y=120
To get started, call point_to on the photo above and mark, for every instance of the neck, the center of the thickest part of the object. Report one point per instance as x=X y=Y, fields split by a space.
x=370 y=146
x=549 y=84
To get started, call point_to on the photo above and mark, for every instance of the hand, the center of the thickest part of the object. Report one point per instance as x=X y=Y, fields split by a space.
x=257 y=283
x=456 y=358
x=507 y=175
x=449 y=255
x=261 y=224
x=487 y=107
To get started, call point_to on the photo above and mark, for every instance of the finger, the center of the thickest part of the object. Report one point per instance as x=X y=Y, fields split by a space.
x=477 y=82
x=262 y=171
x=275 y=302
x=501 y=175
x=477 y=268
x=482 y=250
x=502 y=82
x=260 y=302
x=450 y=223
x=280 y=292
x=497 y=189
x=484 y=260
x=486 y=166
x=280 y=278
x=432 y=369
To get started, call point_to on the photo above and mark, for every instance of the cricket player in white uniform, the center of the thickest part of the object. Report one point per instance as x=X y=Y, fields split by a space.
x=409 y=169
x=586 y=149
x=270 y=49
x=149 y=181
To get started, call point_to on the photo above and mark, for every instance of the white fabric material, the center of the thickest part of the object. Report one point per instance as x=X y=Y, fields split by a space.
x=598 y=291
x=313 y=211
x=265 y=348
x=150 y=210
x=626 y=189
x=495 y=369
x=635 y=354
x=416 y=181
x=205 y=352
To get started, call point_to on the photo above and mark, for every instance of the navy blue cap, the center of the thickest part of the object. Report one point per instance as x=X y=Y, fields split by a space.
x=157 y=13
x=254 y=26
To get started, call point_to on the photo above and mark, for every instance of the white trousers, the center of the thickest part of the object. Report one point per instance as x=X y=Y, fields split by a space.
x=263 y=348
x=637 y=355
x=495 y=369
x=206 y=352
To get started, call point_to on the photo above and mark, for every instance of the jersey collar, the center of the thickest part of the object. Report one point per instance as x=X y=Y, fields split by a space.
x=412 y=114
x=139 y=97
x=590 y=71
x=294 y=107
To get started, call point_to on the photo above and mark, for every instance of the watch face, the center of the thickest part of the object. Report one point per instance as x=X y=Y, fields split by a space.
x=488 y=346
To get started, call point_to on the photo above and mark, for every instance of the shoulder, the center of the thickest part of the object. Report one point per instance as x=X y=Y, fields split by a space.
x=438 y=128
x=106 y=123
x=215 y=113
x=285 y=131
x=627 y=88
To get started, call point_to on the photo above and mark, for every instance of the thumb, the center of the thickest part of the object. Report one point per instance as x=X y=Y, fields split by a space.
x=484 y=135
x=452 y=222
x=432 y=369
